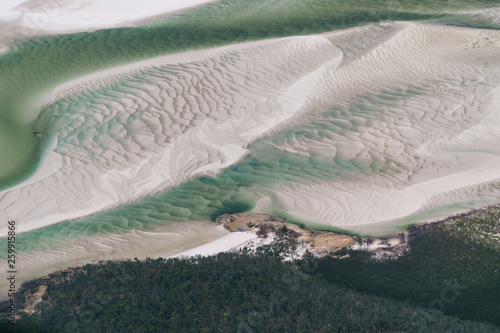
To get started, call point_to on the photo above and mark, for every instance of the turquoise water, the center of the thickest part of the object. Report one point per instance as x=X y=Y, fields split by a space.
x=35 y=66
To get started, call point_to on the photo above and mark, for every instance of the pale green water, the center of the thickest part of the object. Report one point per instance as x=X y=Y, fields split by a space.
x=35 y=66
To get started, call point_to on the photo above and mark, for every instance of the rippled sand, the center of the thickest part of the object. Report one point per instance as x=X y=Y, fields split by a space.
x=120 y=136
x=431 y=147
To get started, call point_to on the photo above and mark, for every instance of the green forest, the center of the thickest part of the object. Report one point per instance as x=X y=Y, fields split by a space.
x=449 y=281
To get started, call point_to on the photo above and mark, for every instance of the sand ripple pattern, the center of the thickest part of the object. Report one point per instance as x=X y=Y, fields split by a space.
x=132 y=131
x=422 y=135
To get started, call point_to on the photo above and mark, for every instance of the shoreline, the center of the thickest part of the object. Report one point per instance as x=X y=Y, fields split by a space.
x=249 y=230
x=219 y=240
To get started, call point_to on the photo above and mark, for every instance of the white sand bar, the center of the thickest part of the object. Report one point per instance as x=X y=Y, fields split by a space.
x=73 y=16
